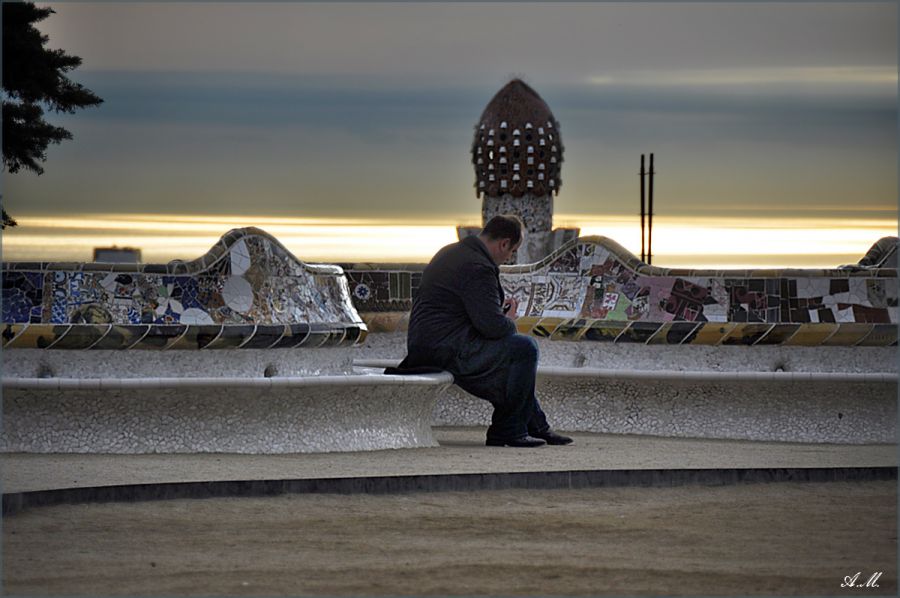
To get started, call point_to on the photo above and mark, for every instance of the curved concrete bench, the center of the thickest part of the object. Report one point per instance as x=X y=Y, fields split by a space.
x=297 y=414
x=820 y=407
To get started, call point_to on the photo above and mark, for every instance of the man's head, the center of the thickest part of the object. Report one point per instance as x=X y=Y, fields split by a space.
x=502 y=235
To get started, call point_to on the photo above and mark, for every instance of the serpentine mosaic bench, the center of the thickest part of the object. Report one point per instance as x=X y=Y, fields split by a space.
x=247 y=292
x=789 y=355
x=131 y=358
x=593 y=289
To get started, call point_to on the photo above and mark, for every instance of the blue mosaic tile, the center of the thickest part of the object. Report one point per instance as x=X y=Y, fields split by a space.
x=16 y=307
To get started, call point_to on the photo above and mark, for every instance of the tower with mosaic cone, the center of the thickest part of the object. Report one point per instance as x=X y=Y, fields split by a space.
x=517 y=153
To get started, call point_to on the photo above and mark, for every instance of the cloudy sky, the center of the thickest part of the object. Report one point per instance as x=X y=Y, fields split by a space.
x=367 y=110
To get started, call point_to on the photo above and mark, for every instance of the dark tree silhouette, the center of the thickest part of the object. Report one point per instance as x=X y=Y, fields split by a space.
x=34 y=77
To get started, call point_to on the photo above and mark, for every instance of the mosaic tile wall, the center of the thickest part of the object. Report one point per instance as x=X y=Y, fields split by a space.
x=248 y=291
x=592 y=289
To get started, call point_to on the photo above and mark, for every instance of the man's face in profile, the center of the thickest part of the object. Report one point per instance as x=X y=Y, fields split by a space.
x=507 y=249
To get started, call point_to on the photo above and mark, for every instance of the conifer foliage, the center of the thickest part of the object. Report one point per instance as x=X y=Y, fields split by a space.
x=34 y=78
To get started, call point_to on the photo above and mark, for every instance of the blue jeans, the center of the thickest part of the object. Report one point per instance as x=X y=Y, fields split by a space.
x=501 y=371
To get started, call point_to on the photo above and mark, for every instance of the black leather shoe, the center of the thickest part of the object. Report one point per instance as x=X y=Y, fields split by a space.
x=523 y=442
x=552 y=437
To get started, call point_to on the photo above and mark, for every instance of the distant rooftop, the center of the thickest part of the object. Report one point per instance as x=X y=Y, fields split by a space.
x=117 y=255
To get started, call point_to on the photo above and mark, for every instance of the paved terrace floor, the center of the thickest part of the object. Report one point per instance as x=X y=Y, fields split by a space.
x=707 y=536
x=461 y=460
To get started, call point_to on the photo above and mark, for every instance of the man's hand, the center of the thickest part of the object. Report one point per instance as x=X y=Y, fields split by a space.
x=509 y=308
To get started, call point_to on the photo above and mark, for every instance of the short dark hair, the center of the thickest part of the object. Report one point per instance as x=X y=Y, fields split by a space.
x=504 y=226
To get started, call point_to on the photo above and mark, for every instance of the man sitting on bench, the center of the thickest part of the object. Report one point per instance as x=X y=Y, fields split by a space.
x=461 y=323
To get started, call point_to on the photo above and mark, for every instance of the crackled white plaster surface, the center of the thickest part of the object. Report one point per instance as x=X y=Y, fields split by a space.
x=627 y=356
x=850 y=413
x=811 y=411
x=314 y=418
x=36 y=363
x=817 y=410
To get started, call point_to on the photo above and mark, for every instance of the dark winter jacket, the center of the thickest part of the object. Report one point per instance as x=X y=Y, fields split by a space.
x=459 y=301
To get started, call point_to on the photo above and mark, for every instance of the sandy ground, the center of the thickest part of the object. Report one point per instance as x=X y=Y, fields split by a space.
x=785 y=538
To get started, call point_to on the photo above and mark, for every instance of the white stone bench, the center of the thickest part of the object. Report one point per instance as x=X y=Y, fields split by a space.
x=821 y=407
x=229 y=414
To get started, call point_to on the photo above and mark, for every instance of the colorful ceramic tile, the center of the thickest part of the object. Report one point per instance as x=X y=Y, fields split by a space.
x=121 y=337
x=557 y=296
x=240 y=258
x=82 y=336
x=874 y=315
x=37 y=336
x=294 y=336
x=567 y=262
x=265 y=336
x=335 y=337
x=526 y=324
x=679 y=333
x=686 y=300
x=848 y=334
x=778 y=334
x=10 y=331
x=639 y=332
x=747 y=334
x=248 y=281
x=192 y=337
x=569 y=330
x=659 y=337
x=159 y=337
x=711 y=333
x=838 y=285
x=604 y=331
x=810 y=335
x=546 y=326
x=399 y=286
x=225 y=286
x=882 y=335
x=878 y=293
x=813 y=287
x=317 y=338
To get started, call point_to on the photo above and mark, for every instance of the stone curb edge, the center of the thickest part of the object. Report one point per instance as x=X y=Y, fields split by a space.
x=19 y=501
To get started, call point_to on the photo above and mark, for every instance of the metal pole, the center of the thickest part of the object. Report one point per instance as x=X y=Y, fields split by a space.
x=643 y=254
x=650 y=216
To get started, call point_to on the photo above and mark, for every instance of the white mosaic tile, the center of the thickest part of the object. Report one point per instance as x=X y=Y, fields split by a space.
x=812 y=287
x=844 y=315
x=109 y=282
x=240 y=258
x=715 y=313
x=195 y=315
x=238 y=294
x=859 y=292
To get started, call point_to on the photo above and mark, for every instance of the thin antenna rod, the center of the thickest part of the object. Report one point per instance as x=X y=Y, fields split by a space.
x=650 y=217
x=643 y=234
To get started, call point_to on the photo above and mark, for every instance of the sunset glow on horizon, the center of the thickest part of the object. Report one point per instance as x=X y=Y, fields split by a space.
x=701 y=242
